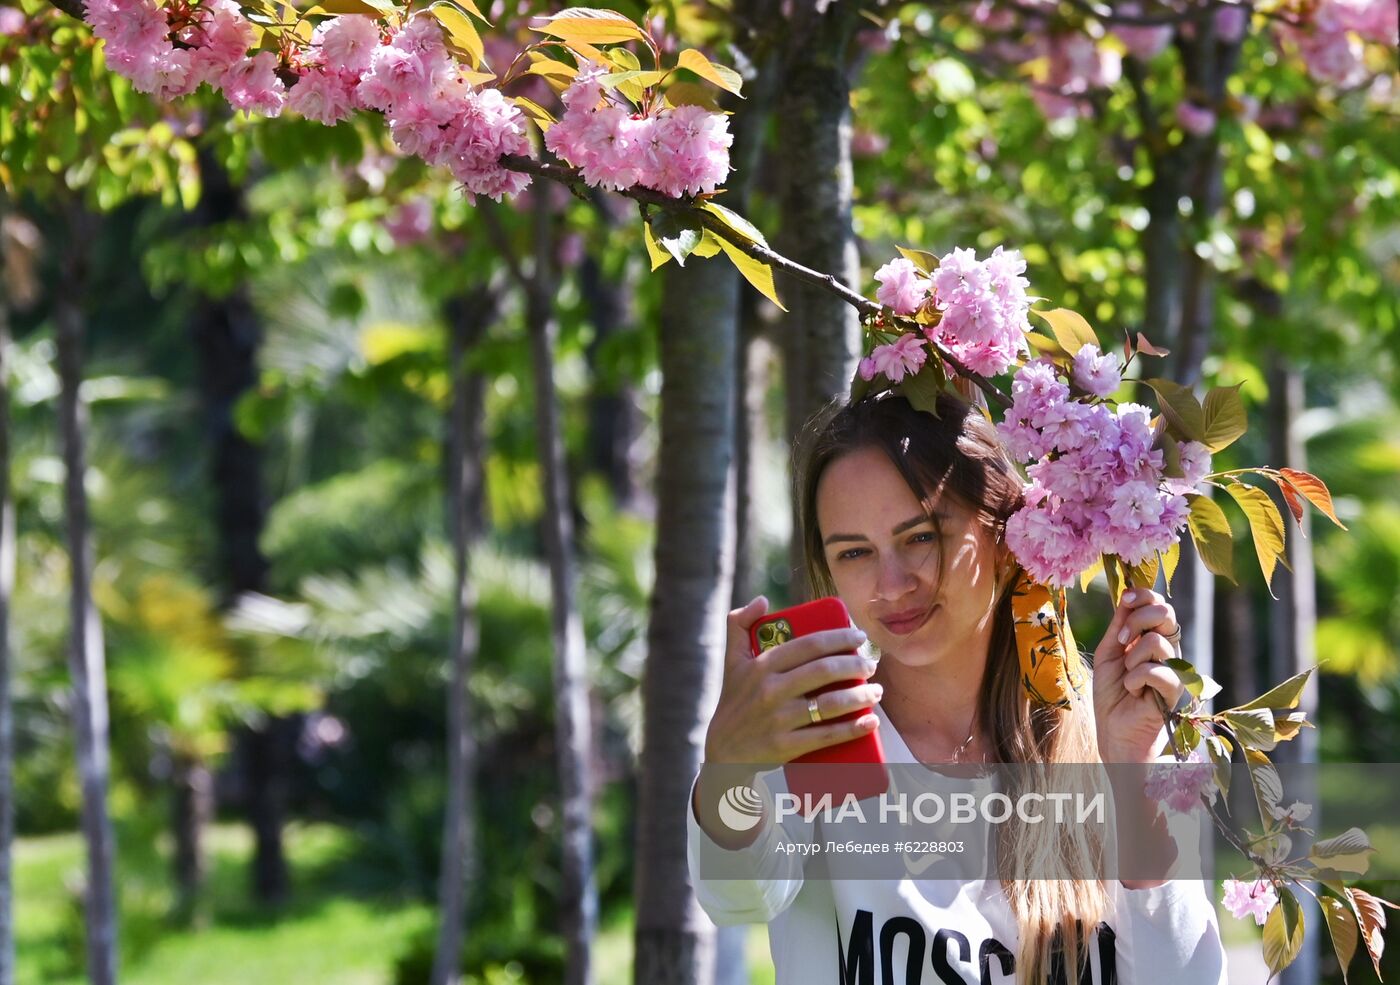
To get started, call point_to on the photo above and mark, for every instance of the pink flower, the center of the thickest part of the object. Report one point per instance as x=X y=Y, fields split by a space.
x=1231 y=23
x=11 y=21
x=220 y=39
x=1180 y=785
x=410 y=222
x=1254 y=899
x=322 y=96
x=1195 y=120
x=252 y=84
x=902 y=286
x=905 y=355
x=1145 y=42
x=1096 y=372
x=347 y=43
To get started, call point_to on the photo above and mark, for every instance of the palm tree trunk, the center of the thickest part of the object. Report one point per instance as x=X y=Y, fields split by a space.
x=7 y=724
x=1292 y=624
x=86 y=659
x=192 y=809
x=468 y=317
x=572 y=716
x=227 y=337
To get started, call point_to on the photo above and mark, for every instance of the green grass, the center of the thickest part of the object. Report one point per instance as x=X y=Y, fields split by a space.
x=336 y=930
x=326 y=935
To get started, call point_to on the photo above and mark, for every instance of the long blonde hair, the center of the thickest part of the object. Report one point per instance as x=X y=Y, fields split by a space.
x=959 y=453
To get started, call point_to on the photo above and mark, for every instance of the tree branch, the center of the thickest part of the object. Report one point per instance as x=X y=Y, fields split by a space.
x=761 y=252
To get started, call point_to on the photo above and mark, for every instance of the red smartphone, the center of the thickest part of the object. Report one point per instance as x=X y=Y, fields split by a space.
x=856 y=766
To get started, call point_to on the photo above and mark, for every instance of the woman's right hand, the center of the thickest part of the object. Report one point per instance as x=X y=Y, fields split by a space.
x=762 y=714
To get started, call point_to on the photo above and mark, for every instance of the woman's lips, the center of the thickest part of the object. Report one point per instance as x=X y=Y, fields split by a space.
x=903 y=627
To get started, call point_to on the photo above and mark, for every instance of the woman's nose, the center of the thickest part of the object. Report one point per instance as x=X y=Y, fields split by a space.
x=894 y=576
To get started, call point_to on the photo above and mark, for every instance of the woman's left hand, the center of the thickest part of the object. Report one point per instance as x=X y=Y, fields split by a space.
x=1127 y=671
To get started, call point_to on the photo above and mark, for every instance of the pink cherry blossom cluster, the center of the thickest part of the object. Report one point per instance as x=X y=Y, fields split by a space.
x=213 y=43
x=1096 y=481
x=1180 y=785
x=1245 y=899
x=677 y=151
x=1077 y=65
x=436 y=114
x=1332 y=46
x=433 y=111
x=982 y=307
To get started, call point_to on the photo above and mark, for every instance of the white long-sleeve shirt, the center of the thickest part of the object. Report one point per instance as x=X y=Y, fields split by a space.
x=911 y=931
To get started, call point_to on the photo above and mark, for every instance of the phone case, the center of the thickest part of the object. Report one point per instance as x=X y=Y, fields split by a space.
x=853 y=767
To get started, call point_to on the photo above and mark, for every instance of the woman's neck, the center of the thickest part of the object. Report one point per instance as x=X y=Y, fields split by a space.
x=933 y=706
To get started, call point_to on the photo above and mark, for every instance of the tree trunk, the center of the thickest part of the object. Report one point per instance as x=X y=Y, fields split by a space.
x=227 y=337
x=86 y=659
x=7 y=724
x=685 y=636
x=1292 y=624
x=572 y=718
x=615 y=417
x=467 y=318
x=821 y=334
x=192 y=809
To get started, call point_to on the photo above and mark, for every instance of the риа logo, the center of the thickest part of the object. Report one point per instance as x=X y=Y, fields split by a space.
x=740 y=808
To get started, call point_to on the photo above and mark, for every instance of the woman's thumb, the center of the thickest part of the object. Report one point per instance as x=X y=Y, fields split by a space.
x=740 y=621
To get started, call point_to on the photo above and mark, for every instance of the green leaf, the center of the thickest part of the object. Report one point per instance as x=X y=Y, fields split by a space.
x=1268 y=788
x=1069 y=327
x=721 y=75
x=1341 y=924
x=922 y=389
x=1265 y=526
x=1169 y=562
x=658 y=256
x=1254 y=728
x=1143 y=575
x=925 y=261
x=1201 y=686
x=1285 y=695
x=1219 y=749
x=1223 y=416
x=691 y=94
x=591 y=26
x=757 y=273
x=1283 y=932
x=368 y=8
x=735 y=222
x=679 y=233
x=1184 y=414
x=1211 y=533
x=460 y=30
x=1349 y=851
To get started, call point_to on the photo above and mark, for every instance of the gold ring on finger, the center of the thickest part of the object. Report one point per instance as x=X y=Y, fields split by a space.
x=812 y=711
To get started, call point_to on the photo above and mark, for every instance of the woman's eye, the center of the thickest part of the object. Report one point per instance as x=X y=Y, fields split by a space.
x=847 y=555
x=927 y=534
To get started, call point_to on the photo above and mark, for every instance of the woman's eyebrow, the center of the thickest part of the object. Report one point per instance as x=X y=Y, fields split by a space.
x=913 y=521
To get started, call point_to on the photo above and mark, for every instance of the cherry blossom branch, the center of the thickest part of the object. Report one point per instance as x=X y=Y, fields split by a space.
x=73 y=8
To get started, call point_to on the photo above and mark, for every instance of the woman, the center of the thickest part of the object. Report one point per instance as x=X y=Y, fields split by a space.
x=902 y=514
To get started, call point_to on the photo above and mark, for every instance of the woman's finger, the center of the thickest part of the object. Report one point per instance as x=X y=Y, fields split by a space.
x=813 y=737
x=830 y=705
x=1147 y=648
x=1146 y=618
x=1161 y=679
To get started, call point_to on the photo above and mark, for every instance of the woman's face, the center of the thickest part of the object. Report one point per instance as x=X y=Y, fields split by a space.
x=884 y=558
